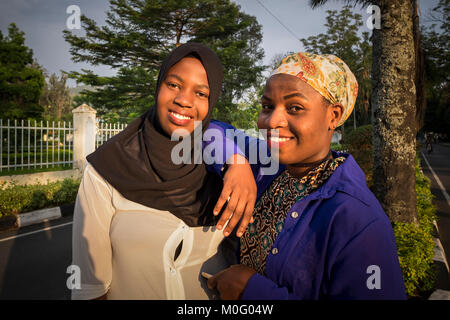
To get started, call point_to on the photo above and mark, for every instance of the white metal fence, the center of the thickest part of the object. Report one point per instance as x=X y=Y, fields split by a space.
x=34 y=144
x=105 y=131
x=31 y=144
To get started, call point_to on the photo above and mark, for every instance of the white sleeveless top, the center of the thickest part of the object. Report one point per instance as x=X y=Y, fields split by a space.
x=127 y=250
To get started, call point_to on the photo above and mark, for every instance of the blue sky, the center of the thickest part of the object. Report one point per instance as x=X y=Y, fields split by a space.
x=44 y=20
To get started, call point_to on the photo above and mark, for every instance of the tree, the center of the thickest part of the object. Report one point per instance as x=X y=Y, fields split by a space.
x=341 y=39
x=21 y=80
x=436 y=44
x=56 y=98
x=139 y=34
x=394 y=105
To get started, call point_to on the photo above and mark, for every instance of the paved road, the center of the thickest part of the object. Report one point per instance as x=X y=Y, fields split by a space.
x=33 y=266
x=439 y=161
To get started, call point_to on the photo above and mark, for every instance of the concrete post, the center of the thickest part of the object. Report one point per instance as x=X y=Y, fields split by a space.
x=84 y=129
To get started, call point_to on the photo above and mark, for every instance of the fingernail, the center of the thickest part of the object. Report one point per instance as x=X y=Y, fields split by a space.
x=215 y=213
x=239 y=234
x=226 y=233
x=219 y=227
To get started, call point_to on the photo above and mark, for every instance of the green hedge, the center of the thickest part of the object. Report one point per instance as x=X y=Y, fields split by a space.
x=358 y=142
x=18 y=199
x=415 y=244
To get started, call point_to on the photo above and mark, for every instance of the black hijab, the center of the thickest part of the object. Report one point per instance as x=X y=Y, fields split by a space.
x=137 y=162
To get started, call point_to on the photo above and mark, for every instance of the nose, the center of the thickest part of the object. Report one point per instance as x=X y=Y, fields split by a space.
x=184 y=99
x=277 y=119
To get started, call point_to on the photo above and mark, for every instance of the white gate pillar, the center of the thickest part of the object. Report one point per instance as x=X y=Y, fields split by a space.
x=84 y=131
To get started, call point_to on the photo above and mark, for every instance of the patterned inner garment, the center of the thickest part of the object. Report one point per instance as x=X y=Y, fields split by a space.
x=271 y=210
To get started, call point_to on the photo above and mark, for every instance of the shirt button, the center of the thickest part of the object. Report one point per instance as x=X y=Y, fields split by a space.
x=274 y=251
x=172 y=271
x=294 y=214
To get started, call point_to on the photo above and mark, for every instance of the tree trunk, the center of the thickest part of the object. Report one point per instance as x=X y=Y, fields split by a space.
x=394 y=103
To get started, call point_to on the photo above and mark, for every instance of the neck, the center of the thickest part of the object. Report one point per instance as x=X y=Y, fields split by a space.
x=300 y=169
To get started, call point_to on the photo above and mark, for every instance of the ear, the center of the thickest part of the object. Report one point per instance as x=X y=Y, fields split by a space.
x=336 y=111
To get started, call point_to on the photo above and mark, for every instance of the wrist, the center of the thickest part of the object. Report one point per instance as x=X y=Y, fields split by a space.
x=236 y=159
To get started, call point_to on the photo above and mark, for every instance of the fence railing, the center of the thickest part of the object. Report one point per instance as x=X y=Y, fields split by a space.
x=32 y=144
x=43 y=144
x=105 y=131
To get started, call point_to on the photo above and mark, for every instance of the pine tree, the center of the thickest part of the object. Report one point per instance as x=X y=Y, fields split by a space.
x=21 y=80
x=139 y=34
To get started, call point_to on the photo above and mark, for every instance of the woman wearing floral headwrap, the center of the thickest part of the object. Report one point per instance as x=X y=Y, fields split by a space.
x=319 y=233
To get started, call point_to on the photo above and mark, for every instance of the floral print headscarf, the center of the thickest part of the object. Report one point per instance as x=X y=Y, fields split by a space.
x=327 y=74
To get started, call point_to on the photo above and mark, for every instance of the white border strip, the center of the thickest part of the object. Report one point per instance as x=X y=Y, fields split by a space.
x=446 y=196
x=32 y=232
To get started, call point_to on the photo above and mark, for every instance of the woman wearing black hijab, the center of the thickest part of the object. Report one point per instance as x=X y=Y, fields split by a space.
x=143 y=226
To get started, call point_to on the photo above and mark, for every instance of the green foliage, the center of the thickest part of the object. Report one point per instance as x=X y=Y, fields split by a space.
x=343 y=40
x=336 y=146
x=18 y=199
x=436 y=46
x=246 y=115
x=56 y=99
x=317 y=3
x=358 y=142
x=139 y=34
x=21 y=81
x=415 y=242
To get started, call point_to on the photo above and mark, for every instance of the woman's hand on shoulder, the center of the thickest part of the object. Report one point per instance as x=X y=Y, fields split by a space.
x=239 y=189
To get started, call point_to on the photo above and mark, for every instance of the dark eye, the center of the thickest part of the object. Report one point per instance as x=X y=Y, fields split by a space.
x=172 y=85
x=266 y=107
x=203 y=94
x=295 y=108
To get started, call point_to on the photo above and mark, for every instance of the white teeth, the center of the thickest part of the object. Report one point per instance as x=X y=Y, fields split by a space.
x=179 y=116
x=276 y=139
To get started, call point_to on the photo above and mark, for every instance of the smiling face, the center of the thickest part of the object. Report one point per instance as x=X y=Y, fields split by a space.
x=301 y=117
x=183 y=96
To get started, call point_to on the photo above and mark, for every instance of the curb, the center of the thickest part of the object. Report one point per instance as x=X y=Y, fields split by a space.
x=17 y=221
x=442 y=270
x=38 y=216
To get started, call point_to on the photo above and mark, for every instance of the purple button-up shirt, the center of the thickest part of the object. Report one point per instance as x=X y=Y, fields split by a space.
x=336 y=243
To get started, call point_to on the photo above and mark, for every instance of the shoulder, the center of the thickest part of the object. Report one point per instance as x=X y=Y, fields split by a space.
x=348 y=207
x=352 y=216
x=93 y=179
x=348 y=197
x=216 y=124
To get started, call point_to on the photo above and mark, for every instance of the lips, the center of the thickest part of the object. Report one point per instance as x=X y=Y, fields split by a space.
x=180 y=118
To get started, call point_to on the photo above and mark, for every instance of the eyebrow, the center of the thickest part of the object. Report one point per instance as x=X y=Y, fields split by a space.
x=286 y=97
x=204 y=86
x=296 y=94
